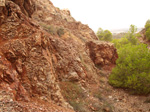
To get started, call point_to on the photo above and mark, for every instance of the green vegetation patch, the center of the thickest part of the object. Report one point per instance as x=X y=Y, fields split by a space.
x=53 y=30
x=60 y=31
x=147 y=28
x=75 y=95
x=105 y=35
x=49 y=28
x=133 y=69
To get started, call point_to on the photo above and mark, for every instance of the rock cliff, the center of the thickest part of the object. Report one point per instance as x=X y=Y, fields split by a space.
x=41 y=46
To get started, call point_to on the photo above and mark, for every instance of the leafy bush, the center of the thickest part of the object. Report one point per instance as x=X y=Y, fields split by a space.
x=120 y=42
x=100 y=33
x=72 y=90
x=99 y=96
x=105 y=35
x=60 y=31
x=52 y=29
x=133 y=69
x=49 y=28
x=147 y=24
x=128 y=38
x=138 y=35
x=132 y=39
x=148 y=33
x=147 y=27
x=78 y=106
x=131 y=35
x=74 y=94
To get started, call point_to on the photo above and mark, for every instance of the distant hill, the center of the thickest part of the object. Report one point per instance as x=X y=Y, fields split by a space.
x=119 y=33
x=123 y=30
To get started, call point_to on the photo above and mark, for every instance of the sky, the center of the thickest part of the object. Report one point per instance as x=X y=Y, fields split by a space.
x=107 y=14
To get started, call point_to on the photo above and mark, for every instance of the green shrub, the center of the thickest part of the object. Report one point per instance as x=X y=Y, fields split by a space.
x=74 y=94
x=52 y=29
x=49 y=28
x=128 y=38
x=78 y=106
x=148 y=33
x=133 y=69
x=60 y=31
x=147 y=24
x=138 y=35
x=120 y=42
x=72 y=90
x=147 y=28
x=99 y=96
x=105 y=35
x=131 y=35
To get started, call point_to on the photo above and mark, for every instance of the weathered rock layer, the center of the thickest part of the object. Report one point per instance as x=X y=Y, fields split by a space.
x=102 y=53
x=33 y=61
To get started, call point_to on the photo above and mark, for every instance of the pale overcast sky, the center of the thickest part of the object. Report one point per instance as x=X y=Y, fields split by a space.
x=107 y=14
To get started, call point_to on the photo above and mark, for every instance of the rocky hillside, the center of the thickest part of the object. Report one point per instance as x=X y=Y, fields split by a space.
x=42 y=50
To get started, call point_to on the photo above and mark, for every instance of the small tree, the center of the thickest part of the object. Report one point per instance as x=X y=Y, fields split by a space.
x=148 y=33
x=120 y=42
x=105 y=35
x=129 y=38
x=131 y=35
x=100 y=33
x=147 y=24
x=132 y=29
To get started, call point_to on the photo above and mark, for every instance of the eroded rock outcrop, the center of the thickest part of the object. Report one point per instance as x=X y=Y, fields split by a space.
x=33 y=60
x=102 y=53
x=26 y=6
x=26 y=59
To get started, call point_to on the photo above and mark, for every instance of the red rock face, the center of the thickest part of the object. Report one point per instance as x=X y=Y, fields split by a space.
x=33 y=61
x=26 y=59
x=102 y=53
